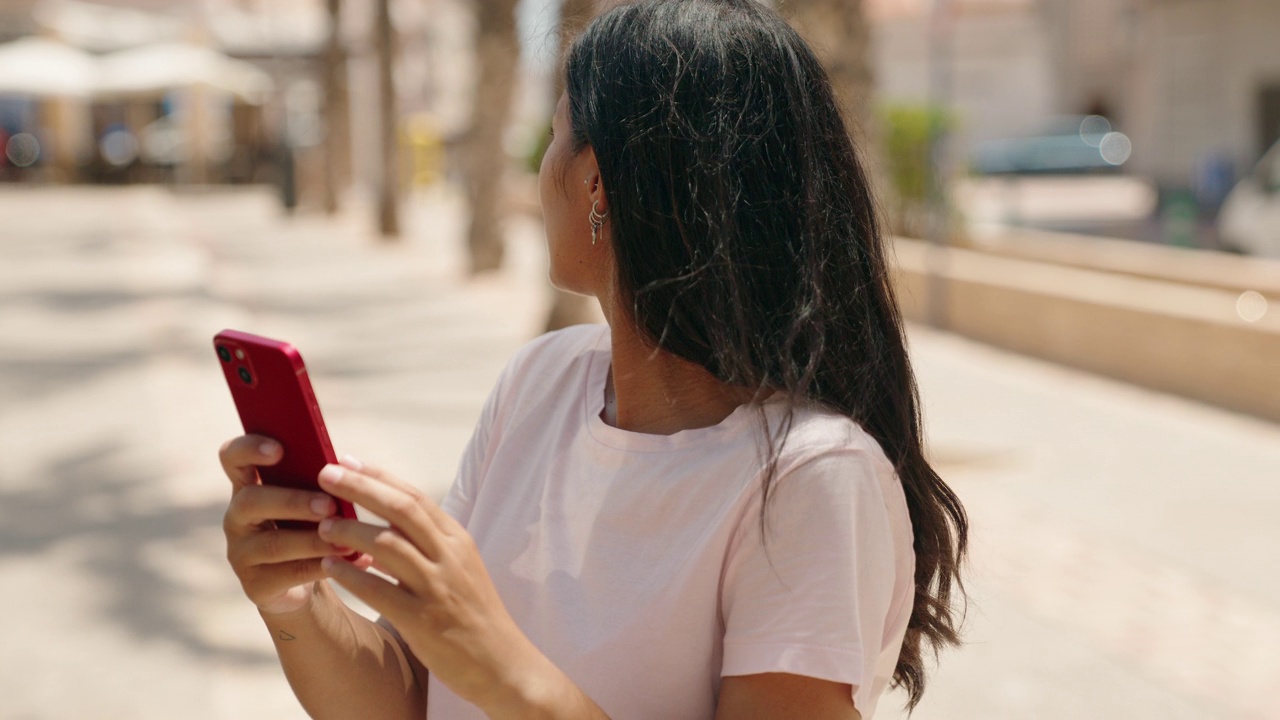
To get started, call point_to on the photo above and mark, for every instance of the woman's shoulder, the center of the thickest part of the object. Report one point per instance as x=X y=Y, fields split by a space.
x=817 y=431
x=559 y=346
x=557 y=361
x=559 y=350
x=826 y=447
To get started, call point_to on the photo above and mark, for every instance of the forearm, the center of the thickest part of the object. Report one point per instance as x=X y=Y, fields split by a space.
x=343 y=665
x=542 y=691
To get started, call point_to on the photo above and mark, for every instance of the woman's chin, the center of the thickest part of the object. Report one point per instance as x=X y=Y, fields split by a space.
x=566 y=286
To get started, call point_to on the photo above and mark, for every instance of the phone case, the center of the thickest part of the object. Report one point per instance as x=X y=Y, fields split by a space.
x=272 y=393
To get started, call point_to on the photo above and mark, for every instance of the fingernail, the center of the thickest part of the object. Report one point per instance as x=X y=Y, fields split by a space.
x=326 y=563
x=269 y=448
x=322 y=505
x=326 y=525
x=330 y=474
x=350 y=461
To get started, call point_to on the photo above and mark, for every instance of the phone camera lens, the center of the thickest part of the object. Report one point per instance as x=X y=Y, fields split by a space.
x=245 y=376
x=224 y=353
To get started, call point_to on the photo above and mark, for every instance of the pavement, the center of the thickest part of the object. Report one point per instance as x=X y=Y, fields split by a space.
x=1107 y=206
x=1124 y=543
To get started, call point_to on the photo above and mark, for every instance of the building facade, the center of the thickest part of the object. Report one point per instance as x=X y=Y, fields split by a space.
x=1194 y=83
x=996 y=73
x=1204 y=84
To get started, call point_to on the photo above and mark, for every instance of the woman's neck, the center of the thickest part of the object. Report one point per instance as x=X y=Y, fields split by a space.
x=660 y=394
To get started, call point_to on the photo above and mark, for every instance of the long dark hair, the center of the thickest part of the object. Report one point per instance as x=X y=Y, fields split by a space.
x=746 y=240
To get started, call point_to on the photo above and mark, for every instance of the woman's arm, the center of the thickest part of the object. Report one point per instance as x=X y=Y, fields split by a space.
x=338 y=663
x=443 y=604
x=342 y=665
x=778 y=696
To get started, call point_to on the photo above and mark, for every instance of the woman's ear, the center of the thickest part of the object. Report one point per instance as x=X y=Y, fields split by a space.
x=591 y=180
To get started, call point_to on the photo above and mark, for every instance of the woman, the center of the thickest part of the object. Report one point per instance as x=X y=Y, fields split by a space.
x=708 y=507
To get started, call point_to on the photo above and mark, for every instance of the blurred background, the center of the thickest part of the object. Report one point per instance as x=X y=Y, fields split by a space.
x=1085 y=200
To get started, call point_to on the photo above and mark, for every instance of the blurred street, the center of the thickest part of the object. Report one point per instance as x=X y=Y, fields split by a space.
x=1122 y=539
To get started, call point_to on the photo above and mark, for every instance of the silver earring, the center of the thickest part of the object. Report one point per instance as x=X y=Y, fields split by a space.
x=597 y=221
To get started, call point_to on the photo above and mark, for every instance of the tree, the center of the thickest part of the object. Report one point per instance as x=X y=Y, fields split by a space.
x=567 y=308
x=839 y=33
x=337 y=144
x=498 y=55
x=389 y=116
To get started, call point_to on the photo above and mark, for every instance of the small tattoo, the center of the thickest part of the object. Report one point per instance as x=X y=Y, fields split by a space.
x=286 y=637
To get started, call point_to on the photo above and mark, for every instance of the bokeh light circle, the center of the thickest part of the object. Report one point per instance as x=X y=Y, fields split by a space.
x=23 y=149
x=1251 y=306
x=1094 y=128
x=119 y=148
x=1116 y=148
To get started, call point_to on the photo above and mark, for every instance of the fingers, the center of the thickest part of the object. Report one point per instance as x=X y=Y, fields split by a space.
x=391 y=552
x=279 y=546
x=442 y=518
x=405 y=507
x=265 y=585
x=386 y=597
x=253 y=505
x=239 y=456
x=351 y=463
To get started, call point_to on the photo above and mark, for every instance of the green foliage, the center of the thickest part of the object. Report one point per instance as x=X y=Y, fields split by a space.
x=908 y=135
x=538 y=148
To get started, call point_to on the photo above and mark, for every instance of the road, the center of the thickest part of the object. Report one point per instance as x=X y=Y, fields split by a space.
x=1121 y=544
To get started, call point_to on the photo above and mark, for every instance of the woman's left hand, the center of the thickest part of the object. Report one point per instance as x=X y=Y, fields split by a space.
x=445 y=606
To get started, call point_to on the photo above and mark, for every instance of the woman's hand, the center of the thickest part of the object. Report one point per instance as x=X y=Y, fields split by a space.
x=277 y=568
x=445 y=605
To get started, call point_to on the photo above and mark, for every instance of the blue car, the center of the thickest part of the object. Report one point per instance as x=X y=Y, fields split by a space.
x=1066 y=145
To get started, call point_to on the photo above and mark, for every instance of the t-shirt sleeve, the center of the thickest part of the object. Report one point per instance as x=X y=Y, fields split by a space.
x=527 y=365
x=460 y=499
x=815 y=599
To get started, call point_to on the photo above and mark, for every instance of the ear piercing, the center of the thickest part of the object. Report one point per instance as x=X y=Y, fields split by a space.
x=597 y=220
x=596 y=217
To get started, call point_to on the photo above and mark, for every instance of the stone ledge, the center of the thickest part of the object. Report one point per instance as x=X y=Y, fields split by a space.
x=1206 y=268
x=1169 y=336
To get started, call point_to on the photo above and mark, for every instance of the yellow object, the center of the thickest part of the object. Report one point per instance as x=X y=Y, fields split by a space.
x=421 y=135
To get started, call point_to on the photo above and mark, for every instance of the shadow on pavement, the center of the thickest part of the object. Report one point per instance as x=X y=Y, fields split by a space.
x=86 y=498
x=98 y=300
x=31 y=378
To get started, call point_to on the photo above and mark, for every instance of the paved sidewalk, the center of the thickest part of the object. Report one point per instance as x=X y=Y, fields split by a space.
x=1121 y=538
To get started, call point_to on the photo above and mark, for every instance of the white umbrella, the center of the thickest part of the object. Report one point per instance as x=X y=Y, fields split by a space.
x=100 y=28
x=162 y=67
x=36 y=66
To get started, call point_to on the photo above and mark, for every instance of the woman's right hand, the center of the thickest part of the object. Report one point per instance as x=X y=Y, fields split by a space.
x=278 y=568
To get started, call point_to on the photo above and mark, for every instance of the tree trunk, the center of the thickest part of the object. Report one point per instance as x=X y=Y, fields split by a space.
x=389 y=185
x=337 y=148
x=498 y=55
x=840 y=34
x=567 y=308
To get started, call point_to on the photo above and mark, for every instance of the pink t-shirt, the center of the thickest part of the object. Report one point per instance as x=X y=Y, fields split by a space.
x=635 y=562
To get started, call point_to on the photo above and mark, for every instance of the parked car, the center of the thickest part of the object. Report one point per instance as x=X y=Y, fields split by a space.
x=1066 y=145
x=1250 y=217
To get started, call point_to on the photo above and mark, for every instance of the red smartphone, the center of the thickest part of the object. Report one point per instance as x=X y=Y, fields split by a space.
x=273 y=395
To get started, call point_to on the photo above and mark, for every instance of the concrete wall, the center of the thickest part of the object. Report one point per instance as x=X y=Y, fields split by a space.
x=1092 y=50
x=1168 y=336
x=1194 y=91
x=1002 y=81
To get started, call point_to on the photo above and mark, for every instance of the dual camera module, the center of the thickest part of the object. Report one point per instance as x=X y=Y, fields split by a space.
x=224 y=354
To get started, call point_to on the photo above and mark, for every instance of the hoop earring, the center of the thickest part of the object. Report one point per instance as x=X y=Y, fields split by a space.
x=597 y=221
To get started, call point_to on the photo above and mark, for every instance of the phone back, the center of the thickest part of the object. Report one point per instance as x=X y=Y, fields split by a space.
x=273 y=395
